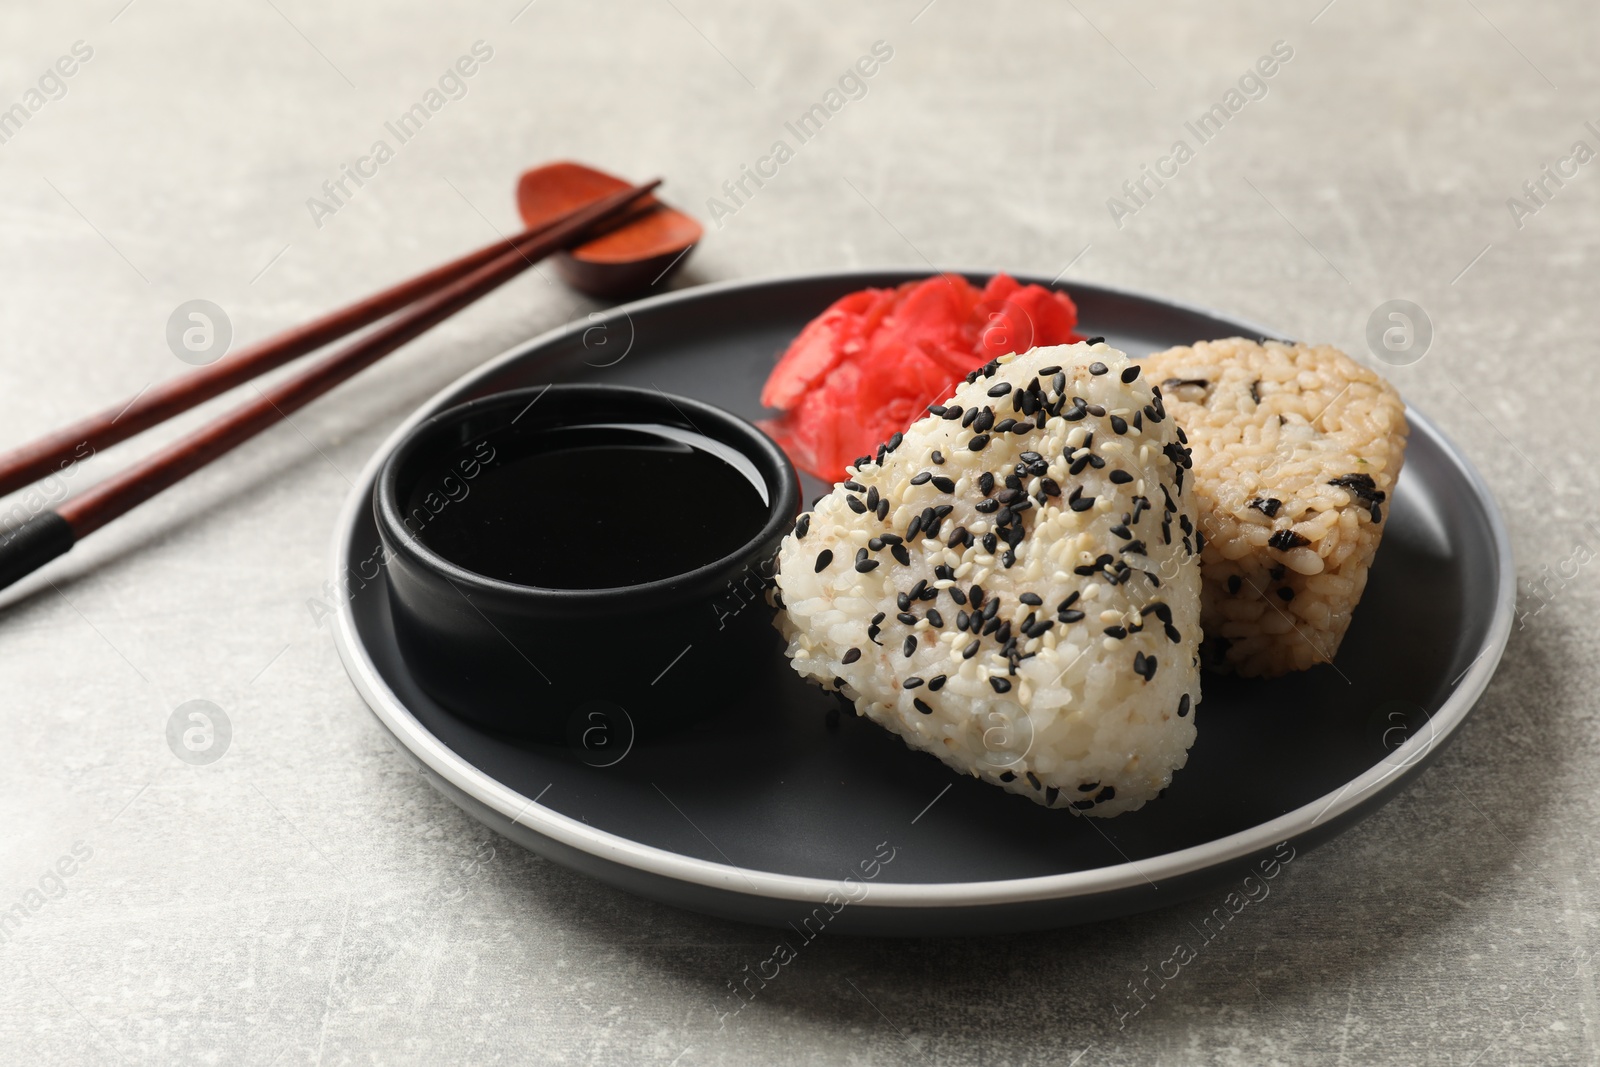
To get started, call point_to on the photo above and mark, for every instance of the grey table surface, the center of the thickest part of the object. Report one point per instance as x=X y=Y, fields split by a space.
x=306 y=898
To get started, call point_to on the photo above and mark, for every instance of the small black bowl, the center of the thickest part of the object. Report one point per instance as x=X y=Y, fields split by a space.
x=530 y=659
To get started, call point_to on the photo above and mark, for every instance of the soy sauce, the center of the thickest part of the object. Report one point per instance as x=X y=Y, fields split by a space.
x=588 y=507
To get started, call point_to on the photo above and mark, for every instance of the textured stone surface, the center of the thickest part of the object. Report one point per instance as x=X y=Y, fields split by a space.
x=307 y=899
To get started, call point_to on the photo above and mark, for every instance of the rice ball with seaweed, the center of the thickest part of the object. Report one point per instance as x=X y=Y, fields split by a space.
x=1296 y=452
x=1012 y=584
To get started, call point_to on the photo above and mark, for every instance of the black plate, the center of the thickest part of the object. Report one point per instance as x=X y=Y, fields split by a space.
x=760 y=814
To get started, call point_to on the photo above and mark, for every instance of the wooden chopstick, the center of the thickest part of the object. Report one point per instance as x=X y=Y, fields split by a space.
x=30 y=462
x=52 y=533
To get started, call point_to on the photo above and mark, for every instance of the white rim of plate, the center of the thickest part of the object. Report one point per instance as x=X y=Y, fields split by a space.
x=523 y=811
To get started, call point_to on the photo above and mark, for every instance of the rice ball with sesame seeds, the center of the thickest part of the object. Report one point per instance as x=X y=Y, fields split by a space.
x=1013 y=585
x=1296 y=450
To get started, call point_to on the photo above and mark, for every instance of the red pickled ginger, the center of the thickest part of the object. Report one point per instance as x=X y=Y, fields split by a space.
x=868 y=366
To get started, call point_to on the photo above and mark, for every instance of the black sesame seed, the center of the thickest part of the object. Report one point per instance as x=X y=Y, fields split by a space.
x=999 y=685
x=1007 y=425
x=1082 y=503
x=917 y=703
x=921 y=478
x=900 y=554
x=1129 y=374
x=957 y=595
x=971 y=650
x=952 y=412
x=1120 y=477
x=1070 y=615
x=937 y=456
x=912 y=682
x=1183 y=705
x=803 y=526
x=1097 y=410
x=936 y=683
x=1118 y=632
x=909 y=645
x=1032 y=599
x=824 y=558
x=1051 y=795
x=865 y=565
x=907 y=618
x=934 y=617
x=977 y=443
x=1097 y=368
x=851 y=656
x=936 y=409
x=1119 y=424
x=943 y=484
x=856 y=505
x=1000 y=390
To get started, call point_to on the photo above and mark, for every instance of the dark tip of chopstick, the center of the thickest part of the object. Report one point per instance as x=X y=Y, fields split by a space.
x=32 y=545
